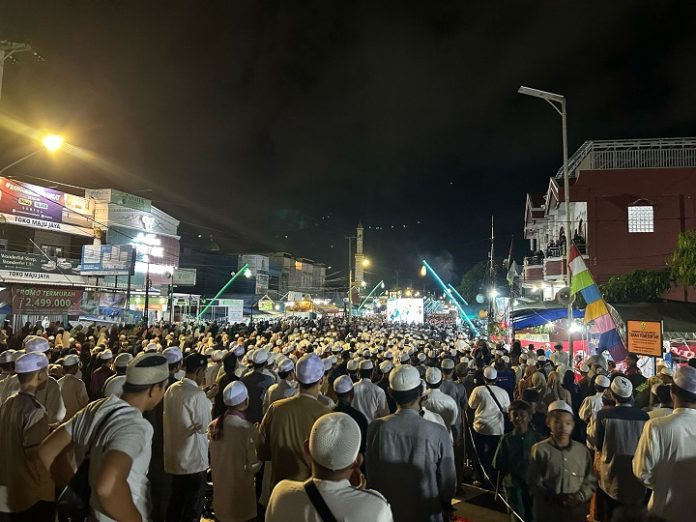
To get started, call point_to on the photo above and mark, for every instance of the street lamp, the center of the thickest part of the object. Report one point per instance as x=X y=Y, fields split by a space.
x=365 y=262
x=50 y=142
x=558 y=102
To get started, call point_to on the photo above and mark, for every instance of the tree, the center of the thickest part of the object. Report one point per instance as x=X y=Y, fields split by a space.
x=637 y=286
x=682 y=262
x=473 y=281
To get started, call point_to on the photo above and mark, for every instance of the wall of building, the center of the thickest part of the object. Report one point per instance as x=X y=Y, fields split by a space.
x=611 y=248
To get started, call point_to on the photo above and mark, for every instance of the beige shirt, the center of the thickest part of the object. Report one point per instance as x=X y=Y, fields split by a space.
x=283 y=432
x=233 y=464
x=23 y=481
x=187 y=414
x=49 y=396
x=74 y=394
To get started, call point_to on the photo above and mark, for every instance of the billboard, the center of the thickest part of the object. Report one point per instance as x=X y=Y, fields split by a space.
x=107 y=260
x=38 y=207
x=120 y=198
x=405 y=310
x=32 y=300
x=185 y=277
x=36 y=267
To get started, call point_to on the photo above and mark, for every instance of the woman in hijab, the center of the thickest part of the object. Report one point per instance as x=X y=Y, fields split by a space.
x=558 y=392
x=545 y=394
x=525 y=382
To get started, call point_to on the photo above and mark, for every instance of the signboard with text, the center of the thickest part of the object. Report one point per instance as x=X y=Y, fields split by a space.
x=107 y=260
x=39 y=207
x=33 y=300
x=644 y=337
x=119 y=197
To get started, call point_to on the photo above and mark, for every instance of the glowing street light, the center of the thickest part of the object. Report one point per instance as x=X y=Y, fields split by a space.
x=493 y=293
x=247 y=273
x=365 y=262
x=52 y=142
x=423 y=271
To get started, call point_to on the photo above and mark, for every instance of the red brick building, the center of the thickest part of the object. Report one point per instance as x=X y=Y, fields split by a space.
x=629 y=201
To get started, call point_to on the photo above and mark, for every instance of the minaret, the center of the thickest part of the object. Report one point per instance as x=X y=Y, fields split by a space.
x=359 y=256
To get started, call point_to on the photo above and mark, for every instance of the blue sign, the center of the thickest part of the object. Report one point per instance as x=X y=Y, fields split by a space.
x=107 y=260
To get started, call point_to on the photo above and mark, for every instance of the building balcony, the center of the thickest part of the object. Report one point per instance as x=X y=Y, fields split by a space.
x=533 y=270
x=554 y=268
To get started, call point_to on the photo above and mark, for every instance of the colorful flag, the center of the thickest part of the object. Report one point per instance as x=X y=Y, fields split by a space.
x=596 y=312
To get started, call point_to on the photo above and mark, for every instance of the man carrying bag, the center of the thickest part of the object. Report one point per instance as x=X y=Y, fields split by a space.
x=116 y=439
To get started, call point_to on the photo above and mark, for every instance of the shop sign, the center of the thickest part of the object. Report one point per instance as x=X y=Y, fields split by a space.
x=39 y=207
x=33 y=300
x=103 y=260
x=120 y=198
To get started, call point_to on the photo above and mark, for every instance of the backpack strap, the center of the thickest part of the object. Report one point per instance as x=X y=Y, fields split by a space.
x=496 y=400
x=318 y=501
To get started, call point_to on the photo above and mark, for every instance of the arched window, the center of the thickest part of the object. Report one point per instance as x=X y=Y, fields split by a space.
x=641 y=217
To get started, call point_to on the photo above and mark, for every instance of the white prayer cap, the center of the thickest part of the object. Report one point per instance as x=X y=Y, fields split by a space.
x=523 y=357
x=310 y=369
x=172 y=354
x=542 y=358
x=421 y=357
x=433 y=375
x=35 y=343
x=235 y=393
x=560 y=406
x=71 y=360
x=343 y=384
x=7 y=356
x=622 y=387
x=352 y=365
x=31 y=362
x=286 y=365
x=366 y=365
x=106 y=355
x=217 y=355
x=490 y=373
x=209 y=351
x=603 y=381
x=122 y=360
x=389 y=355
x=334 y=441
x=685 y=378
x=405 y=358
x=404 y=377
x=152 y=347
x=147 y=369
x=447 y=364
x=239 y=350
x=506 y=359
x=259 y=356
x=386 y=366
x=328 y=364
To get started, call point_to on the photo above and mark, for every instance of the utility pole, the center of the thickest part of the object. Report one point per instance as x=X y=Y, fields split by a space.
x=7 y=51
x=492 y=293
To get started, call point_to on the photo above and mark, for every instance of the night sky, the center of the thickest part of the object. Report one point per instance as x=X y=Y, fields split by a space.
x=280 y=125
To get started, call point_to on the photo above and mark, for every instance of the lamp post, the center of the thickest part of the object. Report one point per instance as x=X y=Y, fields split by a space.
x=50 y=142
x=558 y=102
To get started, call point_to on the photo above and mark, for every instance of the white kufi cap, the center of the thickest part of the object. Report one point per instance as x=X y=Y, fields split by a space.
x=343 y=384
x=31 y=362
x=235 y=393
x=334 y=441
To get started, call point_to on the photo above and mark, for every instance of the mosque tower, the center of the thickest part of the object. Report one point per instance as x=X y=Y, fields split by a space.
x=359 y=255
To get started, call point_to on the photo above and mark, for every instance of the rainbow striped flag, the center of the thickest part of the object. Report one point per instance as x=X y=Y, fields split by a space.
x=581 y=281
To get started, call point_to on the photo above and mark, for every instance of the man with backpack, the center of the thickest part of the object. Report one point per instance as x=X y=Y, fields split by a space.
x=112 y=441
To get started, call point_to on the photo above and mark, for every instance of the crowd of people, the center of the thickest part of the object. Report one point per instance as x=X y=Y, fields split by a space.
x=324 y=420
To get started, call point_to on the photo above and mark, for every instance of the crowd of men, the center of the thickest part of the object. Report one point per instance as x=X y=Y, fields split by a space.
x=324 y=420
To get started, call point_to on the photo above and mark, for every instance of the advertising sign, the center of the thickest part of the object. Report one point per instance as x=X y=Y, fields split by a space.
x=185 y=277
x=35 y=267
x=38 y=207
x=405 y=310
x=103 y=260
x=35 y=300
x=235 y=310
x=266 y=304
x=120 y=198
x=644 y=337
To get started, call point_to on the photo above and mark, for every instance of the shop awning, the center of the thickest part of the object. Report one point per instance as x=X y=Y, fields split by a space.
x=536 y=317
x=678 y=318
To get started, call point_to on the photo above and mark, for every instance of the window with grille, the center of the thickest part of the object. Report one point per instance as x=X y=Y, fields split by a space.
x=641 y=218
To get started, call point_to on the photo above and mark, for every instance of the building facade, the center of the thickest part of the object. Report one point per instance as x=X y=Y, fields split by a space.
x=629 y=200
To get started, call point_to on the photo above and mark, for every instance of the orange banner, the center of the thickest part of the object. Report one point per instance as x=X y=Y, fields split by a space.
x=644 y=337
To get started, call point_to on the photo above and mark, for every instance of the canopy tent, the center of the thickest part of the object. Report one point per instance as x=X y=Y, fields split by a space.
x=531 y=317
x=678 y=318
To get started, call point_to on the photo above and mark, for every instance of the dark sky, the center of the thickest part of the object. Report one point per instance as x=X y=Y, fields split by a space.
x=280 y=125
